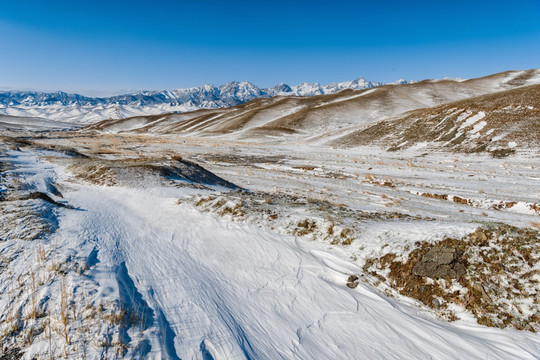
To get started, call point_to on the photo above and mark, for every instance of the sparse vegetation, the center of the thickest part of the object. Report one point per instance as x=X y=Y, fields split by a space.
x=501 y=285
x=287 y=214
x=44 y=310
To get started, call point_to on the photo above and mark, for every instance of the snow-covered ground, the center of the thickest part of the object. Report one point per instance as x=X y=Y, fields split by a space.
x=138 y=270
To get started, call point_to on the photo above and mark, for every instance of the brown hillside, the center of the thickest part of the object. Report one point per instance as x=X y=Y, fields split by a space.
x=494 y=122
x=319 y=117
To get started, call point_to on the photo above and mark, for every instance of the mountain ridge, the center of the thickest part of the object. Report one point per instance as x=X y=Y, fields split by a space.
x=230 y=94
x=308 y=108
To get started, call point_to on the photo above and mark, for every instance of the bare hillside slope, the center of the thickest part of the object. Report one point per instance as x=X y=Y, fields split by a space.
x=498 y=123
x=316 y=118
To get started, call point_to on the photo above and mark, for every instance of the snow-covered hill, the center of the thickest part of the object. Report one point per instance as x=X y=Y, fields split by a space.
x=61 y=106
x=339 y=116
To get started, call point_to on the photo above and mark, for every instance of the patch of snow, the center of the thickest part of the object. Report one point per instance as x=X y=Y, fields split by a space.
x=472 y=120
x=479 y=126
x=347 y=98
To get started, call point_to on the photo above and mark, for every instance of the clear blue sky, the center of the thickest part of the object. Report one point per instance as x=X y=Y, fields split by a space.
x=106 y=47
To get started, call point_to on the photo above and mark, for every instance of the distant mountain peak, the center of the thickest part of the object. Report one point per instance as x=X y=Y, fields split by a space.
x=281 y=88
x=205 y=96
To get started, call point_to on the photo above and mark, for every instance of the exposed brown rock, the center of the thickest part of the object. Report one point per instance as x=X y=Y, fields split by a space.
x=441 y=262
x=460 y=200
x=435 y=196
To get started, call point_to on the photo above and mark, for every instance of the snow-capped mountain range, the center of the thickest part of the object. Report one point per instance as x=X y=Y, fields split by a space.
x=78 y=108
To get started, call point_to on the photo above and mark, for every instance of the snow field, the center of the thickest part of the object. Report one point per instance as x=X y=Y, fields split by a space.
x=162 y=279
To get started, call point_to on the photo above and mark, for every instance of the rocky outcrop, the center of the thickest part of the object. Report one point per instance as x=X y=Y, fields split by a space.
x=441 y=262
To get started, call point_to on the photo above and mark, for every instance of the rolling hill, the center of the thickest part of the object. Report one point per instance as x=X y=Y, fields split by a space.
x=497 y=123
x=343 y=117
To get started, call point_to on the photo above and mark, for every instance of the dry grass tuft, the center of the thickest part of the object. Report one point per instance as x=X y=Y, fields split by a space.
x=501 y=285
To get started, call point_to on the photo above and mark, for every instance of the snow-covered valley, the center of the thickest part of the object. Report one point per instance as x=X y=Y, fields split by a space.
x=132 y=254
x=265 y=180
x=396 y=222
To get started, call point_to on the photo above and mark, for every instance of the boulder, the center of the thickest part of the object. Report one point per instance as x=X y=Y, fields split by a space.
x=441 y=262
x=352 y=281
x=479 y=235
